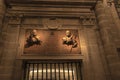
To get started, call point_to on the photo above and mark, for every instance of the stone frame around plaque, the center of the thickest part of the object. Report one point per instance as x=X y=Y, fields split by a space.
x=24 y=54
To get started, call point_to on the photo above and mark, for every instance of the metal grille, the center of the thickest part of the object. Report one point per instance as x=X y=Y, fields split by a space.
x=53 y=71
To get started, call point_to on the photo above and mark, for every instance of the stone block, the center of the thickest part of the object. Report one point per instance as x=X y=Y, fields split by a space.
x=7 y=70
x=5 y=77
x=8 y=62
x=112 y=59
x=115 y=70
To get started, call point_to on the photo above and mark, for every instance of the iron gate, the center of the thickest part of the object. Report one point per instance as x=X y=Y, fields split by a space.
x=53 y=71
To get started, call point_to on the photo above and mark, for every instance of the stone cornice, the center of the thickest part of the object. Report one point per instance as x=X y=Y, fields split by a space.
x=51 y=1
x=46 y=8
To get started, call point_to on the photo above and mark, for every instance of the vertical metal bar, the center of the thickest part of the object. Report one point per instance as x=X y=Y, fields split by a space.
x=68 y=71
x=80 y=71
x=76 y=70
x=51 y=71
x=25 y=71
x=37 y=70
x=72 y=70
x=33 y=73
x=42 y=71
x=28 y=73
x=55 y=70
x=63 y=71
x=59 y=70
x=46 y=72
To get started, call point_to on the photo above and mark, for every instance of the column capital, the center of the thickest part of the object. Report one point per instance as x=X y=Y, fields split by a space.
x=2 y=11
x=2 y=2
x=99 y=3
x=2 y=7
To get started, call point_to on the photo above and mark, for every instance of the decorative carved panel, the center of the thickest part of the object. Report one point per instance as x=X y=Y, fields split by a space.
x=88 y=20
x=51 y=43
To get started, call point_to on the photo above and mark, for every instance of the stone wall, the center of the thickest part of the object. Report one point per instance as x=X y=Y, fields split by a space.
x=9 y=50
x=88 y=33
x=109 y=32
x=98 y=43
x=2 y=11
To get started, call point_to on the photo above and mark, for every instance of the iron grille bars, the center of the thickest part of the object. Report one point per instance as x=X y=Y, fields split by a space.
x=53 y=71
x=72 y=71
x=37 y=71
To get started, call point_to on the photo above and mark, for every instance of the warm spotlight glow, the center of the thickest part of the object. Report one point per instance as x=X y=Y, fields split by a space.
x=52 y=71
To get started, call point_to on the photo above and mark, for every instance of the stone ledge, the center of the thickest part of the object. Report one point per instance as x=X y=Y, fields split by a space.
x=52 y=57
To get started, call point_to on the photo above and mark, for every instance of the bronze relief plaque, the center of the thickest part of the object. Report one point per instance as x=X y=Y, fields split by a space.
x=51 y=42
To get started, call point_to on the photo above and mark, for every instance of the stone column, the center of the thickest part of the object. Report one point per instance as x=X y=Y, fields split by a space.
x=105 y=24
x=116 y=21
x=2 y=11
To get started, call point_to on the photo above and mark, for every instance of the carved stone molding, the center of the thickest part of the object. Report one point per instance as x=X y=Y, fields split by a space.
x=88 y=20
x=52 y=23
x=14 y=18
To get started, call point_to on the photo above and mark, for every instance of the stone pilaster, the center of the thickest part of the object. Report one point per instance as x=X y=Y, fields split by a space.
x=106 y=24
x=9 y=52
x=2 y=11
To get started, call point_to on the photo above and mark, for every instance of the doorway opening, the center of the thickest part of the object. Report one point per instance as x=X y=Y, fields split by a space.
x=45 y=70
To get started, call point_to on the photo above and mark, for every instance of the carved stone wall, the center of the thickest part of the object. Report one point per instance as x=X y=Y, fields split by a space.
x=109 y=32
x=98 y=38
x=46 y=24
x=16 y=26
x=2 y=11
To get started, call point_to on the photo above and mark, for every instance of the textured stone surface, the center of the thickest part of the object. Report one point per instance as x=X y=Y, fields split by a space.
x=98 y=43
x=109 y=34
